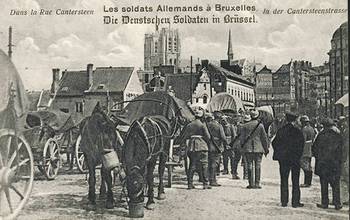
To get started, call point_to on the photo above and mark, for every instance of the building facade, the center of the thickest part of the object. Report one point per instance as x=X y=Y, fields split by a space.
x=338 y=66
x=77 y=92
x=283 y=83
x=163 y=47
x=263 y=87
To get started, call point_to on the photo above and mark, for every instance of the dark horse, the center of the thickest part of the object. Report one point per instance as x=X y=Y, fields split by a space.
x=147 y=140
x=98 y=136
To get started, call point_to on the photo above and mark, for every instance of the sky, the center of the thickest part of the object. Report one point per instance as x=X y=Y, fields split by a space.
x=71 y=42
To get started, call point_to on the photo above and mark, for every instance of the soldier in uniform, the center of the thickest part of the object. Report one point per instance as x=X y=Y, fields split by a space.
x=288 y=148
x=236 y=148
x=228 y=154
x=216 y=147
x=197 y=134
x=255 y=143
x=305 y=162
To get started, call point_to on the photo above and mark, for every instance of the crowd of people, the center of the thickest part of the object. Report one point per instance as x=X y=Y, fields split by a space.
x=212 y=136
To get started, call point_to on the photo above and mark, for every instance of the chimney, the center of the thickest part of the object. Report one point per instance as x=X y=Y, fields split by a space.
x=205 y=64
x=198 y=67
x=55 y=80
x=89 y=74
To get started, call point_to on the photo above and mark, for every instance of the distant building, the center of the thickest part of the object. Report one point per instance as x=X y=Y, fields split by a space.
x=339 y=63
x=39 y=100
x=77 y=92
x=182 y=85
x=283 y=83
x=263 y=87
x=163 y=47
x=320 y=80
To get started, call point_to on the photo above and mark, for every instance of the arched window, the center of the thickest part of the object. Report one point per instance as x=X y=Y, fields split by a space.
x=170 y=61
x=175 y=61
x=205 y=99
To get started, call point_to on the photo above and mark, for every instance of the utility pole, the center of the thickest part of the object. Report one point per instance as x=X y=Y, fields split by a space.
x=10 y=43
x=191 y=89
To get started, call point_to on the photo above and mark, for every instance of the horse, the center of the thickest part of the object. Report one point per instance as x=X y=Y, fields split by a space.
x=98 y=135
x=147 y=140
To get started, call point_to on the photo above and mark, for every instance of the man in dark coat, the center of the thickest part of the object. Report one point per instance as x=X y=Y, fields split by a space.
x=228 y=154
x=288 y=148
x=197 y=134
x=305 y=162
x=255 y=143
x=327 y=150
x=216 y=146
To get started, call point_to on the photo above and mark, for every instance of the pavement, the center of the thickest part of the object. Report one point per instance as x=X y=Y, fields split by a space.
x=66 y=197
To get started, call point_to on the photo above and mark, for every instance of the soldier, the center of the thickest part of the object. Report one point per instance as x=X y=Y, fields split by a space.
x=254 y=143
x=327 y=150
x=199 y=137
x=305 y=162
x=216 y=147
x=228 y=154
x=288 y=148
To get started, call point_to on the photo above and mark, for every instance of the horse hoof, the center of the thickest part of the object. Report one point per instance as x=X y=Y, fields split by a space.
x=150 y=206
x=161 y=196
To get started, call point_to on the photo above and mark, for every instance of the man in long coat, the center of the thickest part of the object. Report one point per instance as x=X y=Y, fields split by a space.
x=305 y=162
x=327 y=150
x=197 y=134
x=216 y=147
x=255 y=143
x=288 y=148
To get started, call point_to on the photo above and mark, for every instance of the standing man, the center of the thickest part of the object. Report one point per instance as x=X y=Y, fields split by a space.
x=288 y=148
x=236 y=147
x=344 y=177
x=254 y=143
x=327 y=150
x=216 y=147
x=228 y=154
x=199 y=137
x=305 y=162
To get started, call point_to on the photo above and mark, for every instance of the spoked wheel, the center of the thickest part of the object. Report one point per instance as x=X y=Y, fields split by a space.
x=16 y=173
x=51 y=159
x=80 y=158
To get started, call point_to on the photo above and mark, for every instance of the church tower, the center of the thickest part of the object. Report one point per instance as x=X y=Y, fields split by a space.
x=229 y=49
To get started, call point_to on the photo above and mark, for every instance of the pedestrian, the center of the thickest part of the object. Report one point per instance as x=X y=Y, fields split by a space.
x=228 y=153
x=198 y=135
x=247 y=118
x=327 y=150
x=305 y=162
x=288 y=148
x=237 y=152
x=254 y=143
x=344 y=177
x=216 y=147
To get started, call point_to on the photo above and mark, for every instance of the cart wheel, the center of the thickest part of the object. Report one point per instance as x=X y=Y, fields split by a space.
x=16 y=173
x=80 y=158
x=51 y=159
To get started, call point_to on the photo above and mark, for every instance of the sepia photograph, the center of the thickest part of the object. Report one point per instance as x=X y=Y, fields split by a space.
x=179 y=110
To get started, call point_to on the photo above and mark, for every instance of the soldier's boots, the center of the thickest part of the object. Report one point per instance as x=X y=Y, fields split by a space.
x=205 y=186
x=307 y=179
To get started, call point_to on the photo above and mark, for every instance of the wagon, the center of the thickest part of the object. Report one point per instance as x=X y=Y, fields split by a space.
x=16 y=158
x=49 y=133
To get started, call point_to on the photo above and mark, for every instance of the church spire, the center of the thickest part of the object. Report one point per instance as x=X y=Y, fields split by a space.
x=229 y=48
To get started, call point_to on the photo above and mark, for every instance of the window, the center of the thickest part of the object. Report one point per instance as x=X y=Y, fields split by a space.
x=175 y=61
x=65 y=89
x=205 y=99
x=101 y=86
x=146 y=78
x=79 y=107
x=156 y=47
x=171 y=61
x=65 y=110
x=197 y=100
x=205 y=86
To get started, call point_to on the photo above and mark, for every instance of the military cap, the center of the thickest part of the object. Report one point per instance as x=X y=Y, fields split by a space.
x=291 y=116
